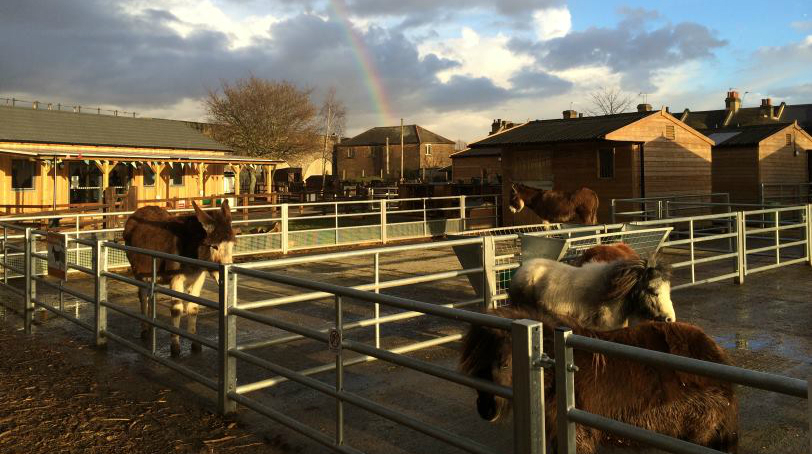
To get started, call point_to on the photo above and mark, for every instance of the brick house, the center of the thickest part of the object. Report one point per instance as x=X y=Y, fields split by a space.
x=377 y=153
x=734 y=115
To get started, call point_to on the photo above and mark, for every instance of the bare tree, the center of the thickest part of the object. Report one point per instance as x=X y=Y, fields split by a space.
x=607 y=101
x=333 y=116
x=262 y=118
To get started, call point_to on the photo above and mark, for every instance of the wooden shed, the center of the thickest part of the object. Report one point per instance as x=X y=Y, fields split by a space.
x=477 y=164
x=639 y=154
x=761 y=163
x=53 y=160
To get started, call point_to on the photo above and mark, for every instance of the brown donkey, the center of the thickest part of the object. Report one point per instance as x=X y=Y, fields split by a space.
x=606 y=253
x=682 y=405
x=205 y=235
x=555 y=206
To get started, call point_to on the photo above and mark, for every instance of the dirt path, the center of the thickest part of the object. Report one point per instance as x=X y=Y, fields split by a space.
x=54 y=398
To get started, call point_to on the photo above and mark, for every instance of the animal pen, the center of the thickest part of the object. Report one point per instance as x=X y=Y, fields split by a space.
x=348 y=324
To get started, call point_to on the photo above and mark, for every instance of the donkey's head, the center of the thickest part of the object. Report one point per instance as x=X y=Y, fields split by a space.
x=644 y=288
x=487 y=355
x=218 y=245
x=519 y=195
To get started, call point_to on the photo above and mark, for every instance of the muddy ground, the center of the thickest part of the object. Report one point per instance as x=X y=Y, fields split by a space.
x=764 y=324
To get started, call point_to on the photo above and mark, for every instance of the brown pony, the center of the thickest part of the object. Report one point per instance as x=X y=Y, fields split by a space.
x=682 y=405
x=205 y=235
x=606 y=253
x=555 y=206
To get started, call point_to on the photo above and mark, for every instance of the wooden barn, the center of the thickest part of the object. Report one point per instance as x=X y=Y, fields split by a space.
x=52 y=160
x=477 y=165
x=773 y=155
x=639 y=154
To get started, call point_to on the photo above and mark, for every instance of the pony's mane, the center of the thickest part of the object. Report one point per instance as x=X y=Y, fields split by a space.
x=625 y=275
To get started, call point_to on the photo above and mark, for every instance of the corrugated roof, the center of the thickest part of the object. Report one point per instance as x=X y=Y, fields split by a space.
x=19 y=124
x=743 y=135
x=411 y=134
x=477 y=152
x=563 y=130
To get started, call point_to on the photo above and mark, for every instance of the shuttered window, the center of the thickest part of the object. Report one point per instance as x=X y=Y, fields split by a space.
x=350 y=152
x=428 y=149
x=606 y=163
x=22 y=174
x=670 y=134
x=789 y=139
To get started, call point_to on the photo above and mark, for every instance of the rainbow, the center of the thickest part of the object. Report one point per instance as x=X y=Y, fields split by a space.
x=372 y=78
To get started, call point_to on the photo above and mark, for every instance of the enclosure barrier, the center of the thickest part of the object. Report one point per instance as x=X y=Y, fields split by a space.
x=566 y=341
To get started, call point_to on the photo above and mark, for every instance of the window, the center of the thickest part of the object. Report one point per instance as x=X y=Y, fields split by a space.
x=606 y=163
x=789 y=139
x=350 y=153
x=428 y=149
x=177 y=174
x=670 y=134
x=149 y=175
x=22 y=174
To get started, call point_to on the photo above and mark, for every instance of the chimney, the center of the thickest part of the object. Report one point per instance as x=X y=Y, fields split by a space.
x=570 y=114
x=733 y=103
x=35 y=105
x=644 y=107
x=766 y=108
x=495 y=126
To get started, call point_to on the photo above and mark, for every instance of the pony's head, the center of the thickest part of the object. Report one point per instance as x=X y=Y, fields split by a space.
x=519 y=196
x=487 y=355
x=218 y=245
x=644 y=287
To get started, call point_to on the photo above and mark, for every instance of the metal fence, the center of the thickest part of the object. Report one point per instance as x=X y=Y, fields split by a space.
x=526 y=390
x=786 y=231
x=286 y=227
x=568 y=415
x=647 y=208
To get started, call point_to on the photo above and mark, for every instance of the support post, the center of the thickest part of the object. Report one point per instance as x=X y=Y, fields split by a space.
x=284 y=224
x=462 y=214
x=565 y=391
x=488 y=271
x=100 y=291
x=383 y=222
x=659 y=209
x=28 y=310
x=528 y=386
x=809 y=235
x=741 y=247
x=339 y=439
x=377 y=306
x=809 y=402
x=227 y=341
x=612 y=211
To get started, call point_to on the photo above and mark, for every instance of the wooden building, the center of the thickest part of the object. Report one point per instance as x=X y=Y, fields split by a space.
x=58 y=159
x=639 y=154
x=477 y=165
x=377 y=153
x=774 y=155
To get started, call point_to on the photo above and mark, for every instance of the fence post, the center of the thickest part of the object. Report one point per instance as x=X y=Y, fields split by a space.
x=488 y=271
x=659 y=209
x=28 y=265
x=809 y=234
x=612 y=211
x=741 y=247
x=383 y=221
x=100 y=291
x=528 y=386
x=227 y=339
x=462 y=213
x=565 y=391
x=284 y=224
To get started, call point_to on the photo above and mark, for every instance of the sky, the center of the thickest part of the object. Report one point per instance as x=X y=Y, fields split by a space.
x=451 y=66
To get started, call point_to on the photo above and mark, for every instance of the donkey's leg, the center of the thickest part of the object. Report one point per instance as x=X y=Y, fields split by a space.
x=192 y=308
x=177 y=284
x=143 y=296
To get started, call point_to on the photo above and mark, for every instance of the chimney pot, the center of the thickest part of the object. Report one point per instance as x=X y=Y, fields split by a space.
x=35 y=105
x=766 y=102
x=733 y=102
x=644 y=107
x=570 y=114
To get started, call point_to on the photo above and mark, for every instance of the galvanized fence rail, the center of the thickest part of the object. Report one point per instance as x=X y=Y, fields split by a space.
x=568 y=415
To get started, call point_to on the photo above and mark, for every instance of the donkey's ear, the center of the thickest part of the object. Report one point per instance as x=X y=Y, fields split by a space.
x=226 y=210
x=205 y=220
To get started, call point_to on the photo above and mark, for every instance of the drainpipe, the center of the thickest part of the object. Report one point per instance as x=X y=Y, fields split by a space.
x=55 y=170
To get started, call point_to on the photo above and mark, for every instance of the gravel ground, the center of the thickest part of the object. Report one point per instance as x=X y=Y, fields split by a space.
x=93 y=409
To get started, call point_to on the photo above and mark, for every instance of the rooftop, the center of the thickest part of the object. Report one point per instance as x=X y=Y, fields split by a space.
x=412 y=134
x=18 y=124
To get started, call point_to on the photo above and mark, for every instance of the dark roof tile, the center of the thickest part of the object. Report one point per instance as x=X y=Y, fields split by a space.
x=411 y=134
x=743 y=135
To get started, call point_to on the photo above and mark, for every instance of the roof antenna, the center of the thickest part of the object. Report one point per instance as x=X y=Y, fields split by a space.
x=645 y=97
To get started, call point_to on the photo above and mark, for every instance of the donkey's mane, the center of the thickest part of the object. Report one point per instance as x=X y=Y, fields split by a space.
x=628 y=276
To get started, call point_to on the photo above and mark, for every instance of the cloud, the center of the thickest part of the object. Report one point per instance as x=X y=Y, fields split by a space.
x=632 y=48
x=552 y=23
x=432 y=7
